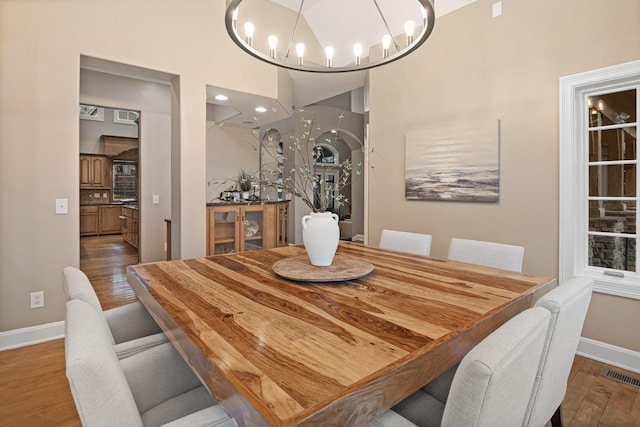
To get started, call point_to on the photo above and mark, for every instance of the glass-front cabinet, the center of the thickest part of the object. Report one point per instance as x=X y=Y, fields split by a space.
x=125 y=180
x=237 y=228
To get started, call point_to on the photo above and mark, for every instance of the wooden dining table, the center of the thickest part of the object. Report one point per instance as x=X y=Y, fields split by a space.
x=282 y=352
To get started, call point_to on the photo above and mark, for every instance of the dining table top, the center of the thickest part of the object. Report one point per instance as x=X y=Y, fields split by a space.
x=281 y=352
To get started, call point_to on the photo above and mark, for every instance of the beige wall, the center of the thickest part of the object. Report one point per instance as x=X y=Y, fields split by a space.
x=40 y=46
x=475 y=67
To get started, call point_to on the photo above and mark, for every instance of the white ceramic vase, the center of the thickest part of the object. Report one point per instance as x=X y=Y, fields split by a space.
x=320 y=235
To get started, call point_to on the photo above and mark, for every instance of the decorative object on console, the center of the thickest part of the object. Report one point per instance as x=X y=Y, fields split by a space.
x=300 y=169
x=320 y=236
x=458 y=163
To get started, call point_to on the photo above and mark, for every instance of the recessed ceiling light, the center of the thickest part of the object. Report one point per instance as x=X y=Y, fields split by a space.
x=222 y=97
x=261 y=109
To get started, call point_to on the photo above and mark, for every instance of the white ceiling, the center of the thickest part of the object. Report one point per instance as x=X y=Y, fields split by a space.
x=308 y=88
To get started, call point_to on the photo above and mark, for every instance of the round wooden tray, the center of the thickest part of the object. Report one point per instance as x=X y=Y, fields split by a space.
x=343 y=268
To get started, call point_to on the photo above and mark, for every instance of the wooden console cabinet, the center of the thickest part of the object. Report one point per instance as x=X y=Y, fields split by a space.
x=243 y=227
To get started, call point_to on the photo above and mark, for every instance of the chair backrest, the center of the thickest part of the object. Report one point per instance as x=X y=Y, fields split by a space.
x=98 y=384
x=76 y=286
x=493 y=383
x=403 y=241
x=489 y=254
x=568 y=304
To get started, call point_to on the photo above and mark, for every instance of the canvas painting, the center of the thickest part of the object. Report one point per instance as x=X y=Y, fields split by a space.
x=460 y=163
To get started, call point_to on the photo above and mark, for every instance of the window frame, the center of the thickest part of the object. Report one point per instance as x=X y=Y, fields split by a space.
x=574 y=160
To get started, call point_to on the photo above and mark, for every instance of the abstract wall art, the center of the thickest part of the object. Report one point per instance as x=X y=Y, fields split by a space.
x=454 y=163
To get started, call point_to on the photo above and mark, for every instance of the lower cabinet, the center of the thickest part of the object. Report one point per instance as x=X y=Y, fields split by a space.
x=109 y=220
x=130 y=217
x=88 y=220
x=98 y=220
x=237 y=228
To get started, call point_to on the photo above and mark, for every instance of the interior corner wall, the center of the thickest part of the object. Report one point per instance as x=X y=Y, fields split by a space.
x=478 y=68
x=229 y=150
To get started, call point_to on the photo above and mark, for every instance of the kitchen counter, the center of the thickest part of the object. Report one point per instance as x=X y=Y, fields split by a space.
x=110 y=204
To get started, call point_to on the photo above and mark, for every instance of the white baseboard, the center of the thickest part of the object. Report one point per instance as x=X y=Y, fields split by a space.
x=609 y=354
x=31 y=335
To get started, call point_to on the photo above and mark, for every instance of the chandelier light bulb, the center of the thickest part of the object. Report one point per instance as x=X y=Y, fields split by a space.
x=409 y=28
x=248 y=32
x=300 y=52
x=600 y=105
x=273 y=44
x=329 y=52
x=386 y=44
x=357 y=50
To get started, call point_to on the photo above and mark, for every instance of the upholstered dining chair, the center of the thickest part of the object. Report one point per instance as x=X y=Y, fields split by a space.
x=489 y=254
x=568 y=304
x=154 y=387
x=493 y=383
x=404 y=241
x=131 y=327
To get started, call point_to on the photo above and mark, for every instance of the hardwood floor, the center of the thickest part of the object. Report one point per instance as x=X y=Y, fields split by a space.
x=103 y=260
x=34 y=390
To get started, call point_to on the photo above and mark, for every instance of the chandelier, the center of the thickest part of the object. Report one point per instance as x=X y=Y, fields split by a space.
x=329 y=36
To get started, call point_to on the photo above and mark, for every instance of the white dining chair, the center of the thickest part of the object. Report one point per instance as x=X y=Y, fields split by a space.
x=154 y=387
x=568 y=304
x=403 y=241
x=131 y=327
x=493 y=383
x=489 y=254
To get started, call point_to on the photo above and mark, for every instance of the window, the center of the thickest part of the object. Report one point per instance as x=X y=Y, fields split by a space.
x=91 y=112
x=599 y=179
x=325 y=154
x=325 y=186
x=126 y=117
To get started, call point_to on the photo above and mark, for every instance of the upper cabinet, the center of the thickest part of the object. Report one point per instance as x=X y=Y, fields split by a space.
x=95 y=171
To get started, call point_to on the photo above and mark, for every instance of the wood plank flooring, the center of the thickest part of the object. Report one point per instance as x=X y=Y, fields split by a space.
x=34 y=390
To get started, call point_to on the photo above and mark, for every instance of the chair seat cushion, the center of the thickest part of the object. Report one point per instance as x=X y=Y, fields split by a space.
x=422 y=409
x=133 y=347
x=178 y=407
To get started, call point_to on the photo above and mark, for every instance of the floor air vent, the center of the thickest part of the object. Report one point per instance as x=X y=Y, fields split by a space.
x=621 y=377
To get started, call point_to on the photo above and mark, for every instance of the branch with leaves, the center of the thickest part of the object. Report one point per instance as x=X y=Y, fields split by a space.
x=298 y=157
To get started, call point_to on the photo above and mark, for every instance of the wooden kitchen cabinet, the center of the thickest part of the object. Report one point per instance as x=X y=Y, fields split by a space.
x=130 y=217
x=109 y=220
x=98 y=220
x=95 y=171
x=88 y=220
x=237 y=228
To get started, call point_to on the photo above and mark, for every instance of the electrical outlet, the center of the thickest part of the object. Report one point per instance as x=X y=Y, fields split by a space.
x=37 y=299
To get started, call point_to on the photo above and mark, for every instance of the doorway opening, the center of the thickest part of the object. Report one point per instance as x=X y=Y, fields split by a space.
x=108 y=197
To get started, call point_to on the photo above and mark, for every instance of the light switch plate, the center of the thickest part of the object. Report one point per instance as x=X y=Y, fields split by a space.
x=62 y=206
x=497 y=9
x=156 y=199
